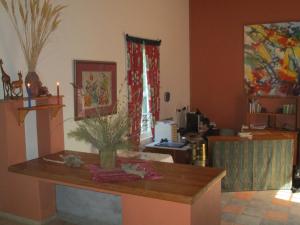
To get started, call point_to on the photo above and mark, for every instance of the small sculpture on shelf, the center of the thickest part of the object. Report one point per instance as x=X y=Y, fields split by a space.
x=7 y=89
x=17 y=87
x=34 y=22
x=43 y=91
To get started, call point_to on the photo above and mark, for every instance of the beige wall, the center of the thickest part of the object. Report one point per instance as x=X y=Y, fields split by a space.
x=94 y=30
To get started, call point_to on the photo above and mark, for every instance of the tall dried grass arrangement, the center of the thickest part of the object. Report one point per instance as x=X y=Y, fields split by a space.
x=109 y=132
x=105 y=133
x=34 y=23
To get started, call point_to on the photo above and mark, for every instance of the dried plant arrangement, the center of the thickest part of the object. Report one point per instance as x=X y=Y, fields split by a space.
x=34 y=23
x=107 y=133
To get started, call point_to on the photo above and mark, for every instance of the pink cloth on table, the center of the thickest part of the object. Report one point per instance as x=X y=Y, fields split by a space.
x=117 y=174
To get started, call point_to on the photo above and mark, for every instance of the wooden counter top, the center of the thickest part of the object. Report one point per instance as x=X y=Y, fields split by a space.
x=257 y=135
x=180 y=183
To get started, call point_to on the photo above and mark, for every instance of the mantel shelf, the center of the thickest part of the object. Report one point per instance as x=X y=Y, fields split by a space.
x=272 y=114
x=24 y=110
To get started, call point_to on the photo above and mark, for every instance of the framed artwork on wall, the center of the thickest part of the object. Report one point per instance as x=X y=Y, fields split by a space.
x=272 y=59
x=95 y=88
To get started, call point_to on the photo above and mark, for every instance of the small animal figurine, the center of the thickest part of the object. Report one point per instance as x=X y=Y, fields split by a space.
x=17 y=86
x=7 y=89
x=43 y=91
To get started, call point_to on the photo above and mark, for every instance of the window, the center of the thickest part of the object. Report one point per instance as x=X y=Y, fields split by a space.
x=146 y=114
x=142 y=77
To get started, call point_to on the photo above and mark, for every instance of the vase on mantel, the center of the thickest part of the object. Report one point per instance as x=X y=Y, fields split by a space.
x=35 y=84
x=108 y=159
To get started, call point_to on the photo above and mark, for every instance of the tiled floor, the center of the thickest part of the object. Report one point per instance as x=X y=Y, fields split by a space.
x=245 y=208
x=261 y=208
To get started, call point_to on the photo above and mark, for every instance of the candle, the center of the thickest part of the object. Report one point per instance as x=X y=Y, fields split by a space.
x=29 y=95
x=57 y=91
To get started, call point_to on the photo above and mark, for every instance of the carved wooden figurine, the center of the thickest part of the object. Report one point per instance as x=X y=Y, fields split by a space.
x=17 y=86
x=6 y=82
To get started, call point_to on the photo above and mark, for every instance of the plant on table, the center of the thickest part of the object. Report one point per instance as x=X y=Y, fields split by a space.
x=106 y=133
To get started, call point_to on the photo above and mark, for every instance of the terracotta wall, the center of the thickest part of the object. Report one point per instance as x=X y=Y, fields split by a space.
x=19 y=195
x=216 y=48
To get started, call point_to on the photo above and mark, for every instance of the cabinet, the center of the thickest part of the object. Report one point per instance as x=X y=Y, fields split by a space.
x=272 y=112
x=265 y=167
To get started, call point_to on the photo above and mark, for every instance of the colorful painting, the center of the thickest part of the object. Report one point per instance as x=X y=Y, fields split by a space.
x=96 y=88
x=272 y=59
x=95 y=85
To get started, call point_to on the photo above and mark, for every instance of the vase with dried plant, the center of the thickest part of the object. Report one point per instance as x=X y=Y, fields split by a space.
x=106 y=133
x=110 y=132
x=34 y=22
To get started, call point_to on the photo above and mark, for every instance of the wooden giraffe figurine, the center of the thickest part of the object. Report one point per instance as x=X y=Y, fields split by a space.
x=17 y=85
x=6 y=82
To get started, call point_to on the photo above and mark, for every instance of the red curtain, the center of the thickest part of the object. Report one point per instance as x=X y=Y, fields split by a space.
x=152 y=55
x=135 y=89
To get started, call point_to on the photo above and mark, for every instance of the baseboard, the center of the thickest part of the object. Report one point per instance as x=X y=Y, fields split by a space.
x=24 y=220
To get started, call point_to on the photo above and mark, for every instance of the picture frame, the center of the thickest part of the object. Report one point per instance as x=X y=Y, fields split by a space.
x=271 y=58
x=94 y=88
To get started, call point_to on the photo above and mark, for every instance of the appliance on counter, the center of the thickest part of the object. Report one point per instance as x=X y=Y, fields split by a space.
x=165 y=129
x=193 y=120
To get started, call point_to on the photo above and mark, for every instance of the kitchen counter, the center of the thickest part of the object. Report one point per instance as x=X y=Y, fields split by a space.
x=195 y=191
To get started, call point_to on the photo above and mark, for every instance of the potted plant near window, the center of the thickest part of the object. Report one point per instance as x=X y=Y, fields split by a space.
x=34 y=22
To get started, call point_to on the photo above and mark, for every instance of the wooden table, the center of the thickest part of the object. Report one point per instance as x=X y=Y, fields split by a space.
x=186 y=195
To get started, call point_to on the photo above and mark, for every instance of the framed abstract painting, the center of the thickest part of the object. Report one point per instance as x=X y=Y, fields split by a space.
x=95 y=88
x=272 y=59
